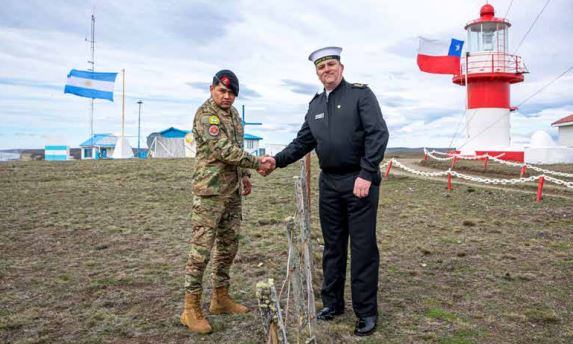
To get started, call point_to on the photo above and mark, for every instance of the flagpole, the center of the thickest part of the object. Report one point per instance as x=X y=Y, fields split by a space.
x=467 y=93
x=92 y=62
x=123 y=105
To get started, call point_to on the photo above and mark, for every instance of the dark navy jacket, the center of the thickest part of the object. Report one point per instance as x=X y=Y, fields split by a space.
x=347 y=130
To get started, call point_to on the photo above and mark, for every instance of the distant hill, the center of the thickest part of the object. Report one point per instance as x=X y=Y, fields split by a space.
x=413 y=150
x=38 y=154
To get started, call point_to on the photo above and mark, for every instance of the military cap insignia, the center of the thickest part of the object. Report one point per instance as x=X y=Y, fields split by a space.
x=214 y=130
x=214 y=120
x=225 y=81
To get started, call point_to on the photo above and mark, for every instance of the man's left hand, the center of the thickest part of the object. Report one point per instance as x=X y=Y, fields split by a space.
x=247 y=186
x=361 y=187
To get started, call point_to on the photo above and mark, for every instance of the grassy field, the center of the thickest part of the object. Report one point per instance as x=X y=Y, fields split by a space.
x=94 y=252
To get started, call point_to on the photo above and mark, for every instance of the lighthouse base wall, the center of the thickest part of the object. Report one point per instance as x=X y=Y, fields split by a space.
x=549 y=155
x=487 y=129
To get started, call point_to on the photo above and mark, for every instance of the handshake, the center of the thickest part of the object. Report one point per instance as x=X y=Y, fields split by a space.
x=267 y=164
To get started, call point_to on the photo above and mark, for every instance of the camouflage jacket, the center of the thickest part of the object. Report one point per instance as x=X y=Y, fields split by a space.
x=220 y=160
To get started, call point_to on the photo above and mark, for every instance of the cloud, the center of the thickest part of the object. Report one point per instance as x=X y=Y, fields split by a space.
x=244 y=91
x=395 y=101
x=248 y=93
x=171 y=49
x=300 y=87
x=199 y=85
x=29 y=83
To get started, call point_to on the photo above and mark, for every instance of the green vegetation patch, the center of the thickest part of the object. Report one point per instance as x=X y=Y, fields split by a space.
x=440 y=314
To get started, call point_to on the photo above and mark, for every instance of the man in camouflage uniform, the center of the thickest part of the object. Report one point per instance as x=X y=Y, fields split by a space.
x=221 y=172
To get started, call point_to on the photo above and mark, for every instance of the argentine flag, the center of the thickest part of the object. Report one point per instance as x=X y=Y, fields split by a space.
x=90 y=84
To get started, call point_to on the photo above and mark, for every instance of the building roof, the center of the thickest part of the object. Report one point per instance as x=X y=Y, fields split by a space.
x=100 y=140
x=173 y=132
x=251 y=137
x=563 y=121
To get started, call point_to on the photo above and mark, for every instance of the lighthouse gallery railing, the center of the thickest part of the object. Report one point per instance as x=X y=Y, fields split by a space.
x=492 y=62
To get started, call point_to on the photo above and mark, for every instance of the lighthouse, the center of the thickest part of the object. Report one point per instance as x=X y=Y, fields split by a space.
x=488 y=70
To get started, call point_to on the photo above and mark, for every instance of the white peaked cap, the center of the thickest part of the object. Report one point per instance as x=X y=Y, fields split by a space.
x=324 y=54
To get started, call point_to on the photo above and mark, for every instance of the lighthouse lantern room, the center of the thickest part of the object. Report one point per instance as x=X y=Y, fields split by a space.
x=488 y=70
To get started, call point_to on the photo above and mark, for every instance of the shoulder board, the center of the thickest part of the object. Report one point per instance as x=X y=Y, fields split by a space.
x=359 y=85
x=313 y=98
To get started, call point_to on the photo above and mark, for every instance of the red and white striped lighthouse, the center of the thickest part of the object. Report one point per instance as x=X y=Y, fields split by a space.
x=488 y=70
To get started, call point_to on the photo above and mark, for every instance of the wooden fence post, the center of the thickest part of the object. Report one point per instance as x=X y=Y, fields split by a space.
x=302 y=265
x=271 y=315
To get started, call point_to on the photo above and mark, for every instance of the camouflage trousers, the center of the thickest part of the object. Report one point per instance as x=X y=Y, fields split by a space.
x=216 y=222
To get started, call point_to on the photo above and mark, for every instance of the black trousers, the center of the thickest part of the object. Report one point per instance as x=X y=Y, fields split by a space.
x=343 y=215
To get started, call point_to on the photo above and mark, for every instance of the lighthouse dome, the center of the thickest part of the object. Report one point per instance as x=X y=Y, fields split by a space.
x=541 y=138
x=487 y=10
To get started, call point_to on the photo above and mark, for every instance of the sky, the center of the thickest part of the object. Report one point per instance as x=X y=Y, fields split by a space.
x=170 y=51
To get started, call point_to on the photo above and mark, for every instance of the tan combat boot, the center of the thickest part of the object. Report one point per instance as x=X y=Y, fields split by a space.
x=221 y=302
x=192 y=316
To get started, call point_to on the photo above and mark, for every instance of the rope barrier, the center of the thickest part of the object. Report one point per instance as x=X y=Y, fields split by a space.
x=493 y=181
x=496 y=159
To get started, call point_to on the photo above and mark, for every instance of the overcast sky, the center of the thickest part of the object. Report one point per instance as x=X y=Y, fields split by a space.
x=171 y=49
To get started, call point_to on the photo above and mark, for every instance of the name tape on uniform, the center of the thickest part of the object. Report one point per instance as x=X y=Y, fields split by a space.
x=319 y=116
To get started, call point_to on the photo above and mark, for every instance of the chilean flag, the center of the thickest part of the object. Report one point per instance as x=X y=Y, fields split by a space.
x=439 y=57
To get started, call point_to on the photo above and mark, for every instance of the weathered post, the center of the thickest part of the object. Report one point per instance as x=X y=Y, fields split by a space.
x=303 y=215
x=301 y=263
x=271 y=314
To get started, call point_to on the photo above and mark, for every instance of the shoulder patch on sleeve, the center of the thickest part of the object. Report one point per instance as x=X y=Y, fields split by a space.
x=214 y=130
x=210 y=119
x=214 y=120
x=359 y=85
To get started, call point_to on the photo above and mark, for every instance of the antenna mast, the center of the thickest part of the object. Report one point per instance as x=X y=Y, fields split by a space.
x=92 y=68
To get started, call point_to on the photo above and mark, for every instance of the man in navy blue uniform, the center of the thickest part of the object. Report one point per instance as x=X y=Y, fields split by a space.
x=344 y=125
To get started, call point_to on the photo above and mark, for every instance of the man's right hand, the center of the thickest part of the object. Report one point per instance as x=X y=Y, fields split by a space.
x=267 y=165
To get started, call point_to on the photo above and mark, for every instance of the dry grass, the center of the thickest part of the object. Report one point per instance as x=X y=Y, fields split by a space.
x=94 y=252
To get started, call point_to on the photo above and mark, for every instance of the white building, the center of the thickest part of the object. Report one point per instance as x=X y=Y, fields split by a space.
x=544 y=150
x=565 y=129
x=100 y=146
x=171 y=143
x=251 y=143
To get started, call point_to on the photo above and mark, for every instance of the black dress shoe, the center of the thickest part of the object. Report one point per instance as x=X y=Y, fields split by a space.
x=365 y=326
x=328 y=313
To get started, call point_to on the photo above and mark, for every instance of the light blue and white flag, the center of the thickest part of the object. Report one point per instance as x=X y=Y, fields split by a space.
x=90 y=84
